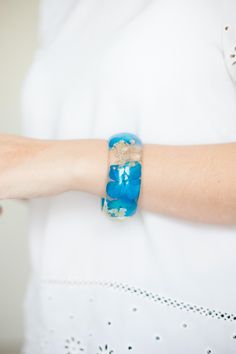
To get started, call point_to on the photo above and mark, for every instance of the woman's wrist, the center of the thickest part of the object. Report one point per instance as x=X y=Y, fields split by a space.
x=89 y=165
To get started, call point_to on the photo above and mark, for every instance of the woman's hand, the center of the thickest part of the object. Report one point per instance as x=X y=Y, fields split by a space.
x=32 y=168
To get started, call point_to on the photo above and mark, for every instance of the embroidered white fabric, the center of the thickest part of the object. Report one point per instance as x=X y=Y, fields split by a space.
x=164 y=70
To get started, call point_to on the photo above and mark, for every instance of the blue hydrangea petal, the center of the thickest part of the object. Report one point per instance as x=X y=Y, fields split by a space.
x=127 y=137
x=125 y=172
x=132 y=189
x=114 y=189
x=129 y=205
x=116 y=172
x=134 y=172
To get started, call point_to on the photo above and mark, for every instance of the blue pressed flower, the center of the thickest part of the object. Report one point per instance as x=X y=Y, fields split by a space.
x=131 y=170
x=116 y=205
x=129 y=188
x=132 y=189
x=135 y=170
x=114 y=189
x=127 y=137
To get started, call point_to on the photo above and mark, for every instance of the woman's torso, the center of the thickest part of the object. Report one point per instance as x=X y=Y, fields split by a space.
x=163 y=70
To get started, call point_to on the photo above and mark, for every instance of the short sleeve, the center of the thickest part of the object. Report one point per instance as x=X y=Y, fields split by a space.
x=229 y=37
x=52 y=16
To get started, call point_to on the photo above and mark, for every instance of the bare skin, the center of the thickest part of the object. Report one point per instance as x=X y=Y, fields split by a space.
x=194 y=182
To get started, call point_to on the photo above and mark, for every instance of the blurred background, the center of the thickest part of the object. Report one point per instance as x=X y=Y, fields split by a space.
x=18 y=41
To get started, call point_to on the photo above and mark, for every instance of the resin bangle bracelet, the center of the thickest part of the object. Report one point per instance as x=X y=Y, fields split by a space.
x=124 y=179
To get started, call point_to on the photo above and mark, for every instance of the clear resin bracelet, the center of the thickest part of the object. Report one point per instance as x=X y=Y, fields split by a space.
x=124 y=179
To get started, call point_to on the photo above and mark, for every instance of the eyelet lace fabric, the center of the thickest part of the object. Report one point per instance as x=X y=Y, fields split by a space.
x=229 y=48
x=94 y=317
x=151 y=296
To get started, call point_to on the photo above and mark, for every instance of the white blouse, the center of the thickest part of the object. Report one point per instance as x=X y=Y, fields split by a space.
x=166 y=71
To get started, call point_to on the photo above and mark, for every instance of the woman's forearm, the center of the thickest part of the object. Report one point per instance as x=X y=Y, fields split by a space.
x=195 y=182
